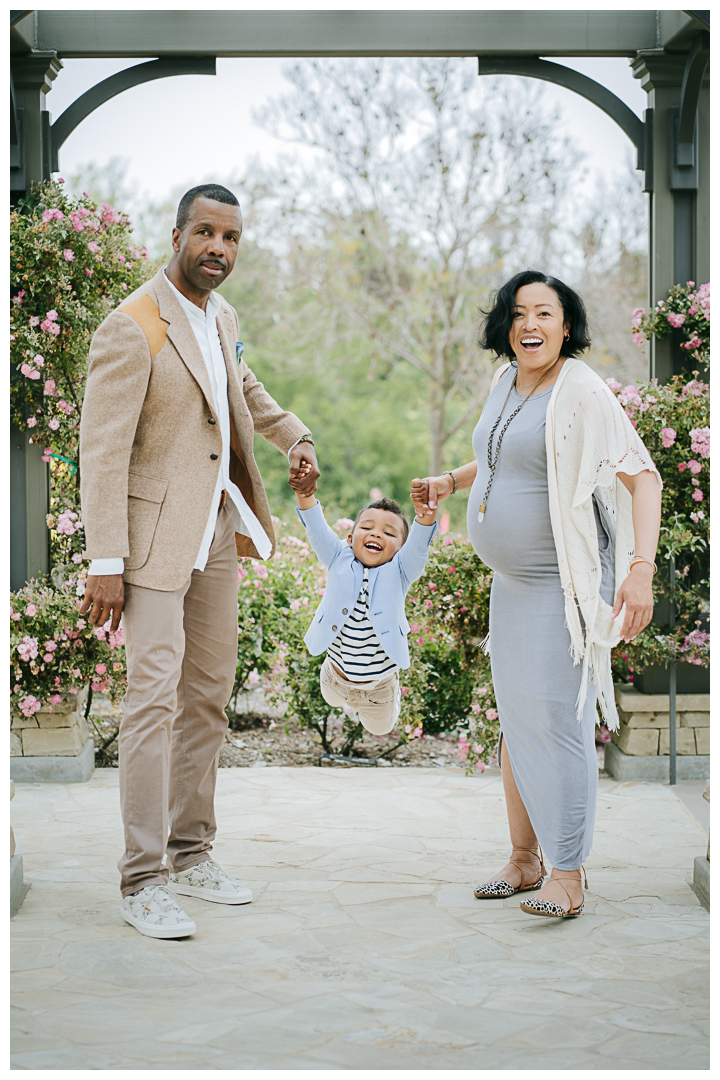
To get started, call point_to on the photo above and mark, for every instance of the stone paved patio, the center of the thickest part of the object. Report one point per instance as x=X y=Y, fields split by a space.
x=364 y=947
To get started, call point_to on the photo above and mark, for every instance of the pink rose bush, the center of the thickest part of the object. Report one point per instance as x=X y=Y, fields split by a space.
x=55 y=653
x=686 y=309
x=62 y=287
x=673 y=422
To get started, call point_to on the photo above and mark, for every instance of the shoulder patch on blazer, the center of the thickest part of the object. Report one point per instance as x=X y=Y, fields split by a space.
x=146 y=314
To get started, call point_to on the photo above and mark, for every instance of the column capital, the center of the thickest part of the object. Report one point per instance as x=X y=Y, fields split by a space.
x=36 y=71
x=656 y=67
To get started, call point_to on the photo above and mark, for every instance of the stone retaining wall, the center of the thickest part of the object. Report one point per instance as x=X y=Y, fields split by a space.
x=645 y=723
x=57 y=731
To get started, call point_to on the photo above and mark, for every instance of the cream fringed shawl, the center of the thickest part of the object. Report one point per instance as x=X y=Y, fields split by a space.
x=589 y=440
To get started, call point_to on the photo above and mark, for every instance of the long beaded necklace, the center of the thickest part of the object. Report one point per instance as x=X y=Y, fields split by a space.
x=492 y=462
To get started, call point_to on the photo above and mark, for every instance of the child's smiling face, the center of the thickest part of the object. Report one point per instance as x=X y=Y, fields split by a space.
x=377 y=536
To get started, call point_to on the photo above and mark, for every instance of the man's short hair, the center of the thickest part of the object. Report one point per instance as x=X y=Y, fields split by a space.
x=392 y=507
x=203 y=191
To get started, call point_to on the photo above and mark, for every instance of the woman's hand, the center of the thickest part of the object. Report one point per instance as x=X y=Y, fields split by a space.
x=426 y=493
x=637 y=596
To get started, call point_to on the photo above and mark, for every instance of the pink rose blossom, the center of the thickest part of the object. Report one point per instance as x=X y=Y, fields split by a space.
x=614 y=385
x=700 y=441
x=668 y=436
x=638 y=339
x=636 y=316
x=694 y=466
x=698 y=496
x=94 y=247
x=682 y=466
x=68 y=254
x=491 y=714
x=34 y=320
x=432 y=586
x=49 y=387
x=675 y=320
x=31 y=421
x=101 y=669
x=29 y=705
x=693 y=310
x=54 y=423
x=31 y=610
x=53 y=215
x=89 y=271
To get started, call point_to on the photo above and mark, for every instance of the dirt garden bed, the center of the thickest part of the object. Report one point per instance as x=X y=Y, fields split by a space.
x=257 y=741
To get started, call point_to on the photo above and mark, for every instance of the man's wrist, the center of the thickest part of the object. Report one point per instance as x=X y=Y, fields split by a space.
x=307 y=437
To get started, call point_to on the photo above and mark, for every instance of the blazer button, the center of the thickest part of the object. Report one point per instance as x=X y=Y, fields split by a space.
x=334 y=627
x=211 y=420
x=213 y=457
x=344 y=611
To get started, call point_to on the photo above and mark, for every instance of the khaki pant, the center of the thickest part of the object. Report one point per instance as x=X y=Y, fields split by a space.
x=181 y=652
x=377 y=703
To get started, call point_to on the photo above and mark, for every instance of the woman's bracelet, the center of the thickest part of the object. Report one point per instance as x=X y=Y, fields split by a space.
x=641 y=558
x=448 y=472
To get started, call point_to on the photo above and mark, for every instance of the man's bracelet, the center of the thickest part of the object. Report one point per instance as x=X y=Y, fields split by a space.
x=303 y=438
x=448 y=472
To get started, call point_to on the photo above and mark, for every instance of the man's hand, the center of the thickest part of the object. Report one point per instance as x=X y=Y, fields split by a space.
x=104 y=597
x=637 y=596
x=304 y=471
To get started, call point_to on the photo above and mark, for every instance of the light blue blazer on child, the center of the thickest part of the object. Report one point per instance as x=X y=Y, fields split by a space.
x=387 y=586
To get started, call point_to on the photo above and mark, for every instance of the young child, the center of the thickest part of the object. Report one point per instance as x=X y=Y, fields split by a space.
x=361 y=618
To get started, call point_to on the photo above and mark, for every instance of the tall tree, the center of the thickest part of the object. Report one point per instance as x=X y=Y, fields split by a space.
x=421 y=196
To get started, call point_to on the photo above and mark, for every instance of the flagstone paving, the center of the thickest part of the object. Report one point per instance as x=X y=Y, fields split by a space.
x=364 y=946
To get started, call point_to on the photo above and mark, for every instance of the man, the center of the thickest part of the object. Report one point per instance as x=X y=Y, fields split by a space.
x=171 y=495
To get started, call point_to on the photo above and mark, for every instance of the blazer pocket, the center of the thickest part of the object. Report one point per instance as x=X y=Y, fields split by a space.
x=146 y=495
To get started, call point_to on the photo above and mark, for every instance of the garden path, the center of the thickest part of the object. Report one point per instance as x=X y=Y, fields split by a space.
x=364 y=946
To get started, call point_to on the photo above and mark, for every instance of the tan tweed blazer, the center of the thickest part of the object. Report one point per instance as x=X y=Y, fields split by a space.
x=150 y=442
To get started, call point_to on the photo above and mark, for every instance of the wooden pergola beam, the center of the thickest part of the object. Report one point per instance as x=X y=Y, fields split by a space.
x=348 y=33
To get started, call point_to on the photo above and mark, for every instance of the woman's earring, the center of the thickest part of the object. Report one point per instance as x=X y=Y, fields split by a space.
x=567 y=337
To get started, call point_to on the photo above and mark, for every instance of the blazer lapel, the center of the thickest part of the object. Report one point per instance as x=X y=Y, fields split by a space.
x=182 y=336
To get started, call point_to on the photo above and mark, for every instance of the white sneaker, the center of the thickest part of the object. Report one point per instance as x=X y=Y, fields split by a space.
x=156 y=913
x=210 y=882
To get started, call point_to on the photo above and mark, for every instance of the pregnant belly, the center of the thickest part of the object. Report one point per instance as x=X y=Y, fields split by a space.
x=515 y=536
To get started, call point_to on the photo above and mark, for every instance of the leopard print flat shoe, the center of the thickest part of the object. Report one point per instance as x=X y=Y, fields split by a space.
x=549 y=908
x=499 y=890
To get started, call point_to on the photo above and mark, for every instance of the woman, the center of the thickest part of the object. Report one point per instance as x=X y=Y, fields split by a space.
x=547 y=514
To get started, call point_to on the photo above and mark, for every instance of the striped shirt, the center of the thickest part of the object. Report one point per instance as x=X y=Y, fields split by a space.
x=356 y=650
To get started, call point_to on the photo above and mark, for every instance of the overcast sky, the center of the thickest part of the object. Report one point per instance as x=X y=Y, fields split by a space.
x=181 y=130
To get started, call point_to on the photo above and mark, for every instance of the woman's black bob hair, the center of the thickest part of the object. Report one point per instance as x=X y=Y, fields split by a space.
x=495 y=332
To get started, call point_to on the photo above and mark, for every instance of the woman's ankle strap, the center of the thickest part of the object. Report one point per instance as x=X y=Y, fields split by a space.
x=571 y=875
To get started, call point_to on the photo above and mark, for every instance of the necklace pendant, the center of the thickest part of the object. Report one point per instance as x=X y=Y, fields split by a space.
x=481 y=512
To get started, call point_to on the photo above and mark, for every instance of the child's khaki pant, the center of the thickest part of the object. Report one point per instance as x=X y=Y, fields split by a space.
x=377 y=703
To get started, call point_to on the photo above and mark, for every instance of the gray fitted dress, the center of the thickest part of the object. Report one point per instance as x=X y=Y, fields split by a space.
x=536 y=684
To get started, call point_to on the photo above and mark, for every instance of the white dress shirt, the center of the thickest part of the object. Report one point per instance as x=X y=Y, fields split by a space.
x=204 y=324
